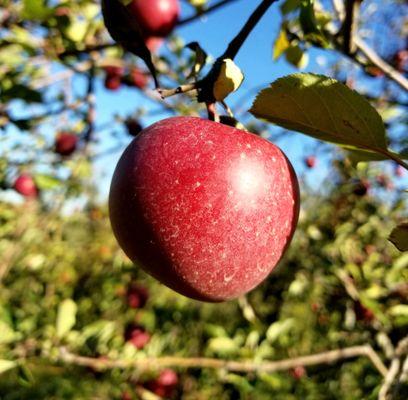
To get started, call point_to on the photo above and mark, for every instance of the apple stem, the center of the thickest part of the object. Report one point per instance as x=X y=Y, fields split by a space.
x=212 y=112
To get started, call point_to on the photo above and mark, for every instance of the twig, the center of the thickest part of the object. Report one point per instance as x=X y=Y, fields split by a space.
x=152 y=363
x=349 y=27
x=375 y=59
x=204 y=12
x=239 y=40
x=91 y=100
x=394 y=369
x=164 y=93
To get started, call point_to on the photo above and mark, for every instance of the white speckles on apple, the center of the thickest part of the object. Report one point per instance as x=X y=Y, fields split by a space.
x=220 y=203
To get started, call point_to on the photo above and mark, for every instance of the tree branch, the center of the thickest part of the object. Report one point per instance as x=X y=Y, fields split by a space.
x=239 y=40
x=328 y=357
x=206 y=11
x=394 y=369
x=375 y=59
x=349 y=27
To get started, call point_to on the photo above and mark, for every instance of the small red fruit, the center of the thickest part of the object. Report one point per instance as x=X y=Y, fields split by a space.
x=137 y=296
x=139 y=78
x=401 y=60
x=126 y=396
x=26 y=186
x=375 y=72
x=165 y=384
x=153 y=43
x=298 y=372
x=137 y=336
x=399 y=171
x=113 y=79
x=155 y=17
x=310 y=162
x=66 y=143
x=205 y=208
x=363 y=313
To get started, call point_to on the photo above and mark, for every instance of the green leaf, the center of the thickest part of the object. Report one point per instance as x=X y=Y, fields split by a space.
x=66 y=317
x=357 y=156
x=281 y=44
x=46 y=182
x=36 y=9
x=307 y=17
x=289 y=5
x=296 y=56
x=399 y=237
x=279 y=328
x=222 y=346
x=7 y=334
x=6 y=365
x=200 y=59
x=323 y=108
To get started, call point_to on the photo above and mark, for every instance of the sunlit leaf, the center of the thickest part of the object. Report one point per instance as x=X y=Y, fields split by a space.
x=323 y=108
x=66 y=317
x=6 y=365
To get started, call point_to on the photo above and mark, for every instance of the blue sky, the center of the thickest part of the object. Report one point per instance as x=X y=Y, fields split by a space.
x=255 y=59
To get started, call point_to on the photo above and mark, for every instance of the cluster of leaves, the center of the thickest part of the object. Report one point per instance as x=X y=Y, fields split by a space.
x=65 y=284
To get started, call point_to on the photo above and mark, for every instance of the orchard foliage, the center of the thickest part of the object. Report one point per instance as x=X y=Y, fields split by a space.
x=79 y=321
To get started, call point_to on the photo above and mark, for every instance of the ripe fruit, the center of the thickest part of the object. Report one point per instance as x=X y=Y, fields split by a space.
x=298 y=372
x=205 y=208
x=155 y=17
x=165 y=384
x=310 y=162
x=153 y=43
x=139 y=78
x=113 y=79
x=137 y=336
x=401 y=60
x=66 y=143
x=137 y=296
x=399 y=171
x=26 y=186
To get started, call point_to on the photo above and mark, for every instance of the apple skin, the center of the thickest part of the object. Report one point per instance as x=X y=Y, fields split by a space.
x=26 y=186
x=155 y=17
x=66 y=143
x=205 y=208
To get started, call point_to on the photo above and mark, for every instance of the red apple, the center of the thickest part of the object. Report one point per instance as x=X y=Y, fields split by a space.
x=26 y=186
x=155 y=17
x=399 y=171
x=310 y=162
x=401 y=60
x=205 y=208
x=137 y=336
x=66 y=143
x=137 y=296
x=133 y=126
x=165 y=384
x=153 y=43
x=298 y=372
x=113 y=79
x=139 y=78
